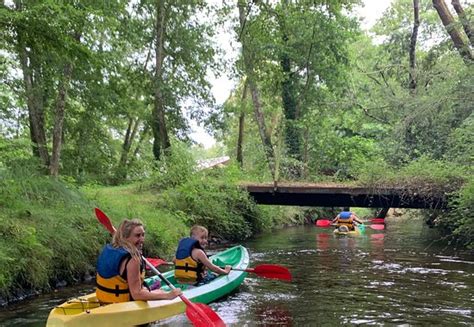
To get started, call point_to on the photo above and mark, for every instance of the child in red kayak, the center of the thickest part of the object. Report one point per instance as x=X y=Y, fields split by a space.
x=191 y=259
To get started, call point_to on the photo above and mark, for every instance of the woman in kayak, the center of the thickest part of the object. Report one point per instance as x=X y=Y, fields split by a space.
x=346 y=220
x=121 y=270
x=191 y=259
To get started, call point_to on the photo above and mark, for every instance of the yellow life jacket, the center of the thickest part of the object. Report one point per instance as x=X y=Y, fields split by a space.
x=186 y=269
x=111 y=286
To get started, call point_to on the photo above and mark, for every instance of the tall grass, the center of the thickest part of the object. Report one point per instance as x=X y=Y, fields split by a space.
x=47 y=233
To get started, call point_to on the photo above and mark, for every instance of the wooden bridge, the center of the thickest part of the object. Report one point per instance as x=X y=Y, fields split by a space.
x=336 y=195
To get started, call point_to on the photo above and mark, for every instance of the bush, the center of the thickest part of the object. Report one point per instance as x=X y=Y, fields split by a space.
x=176 y=167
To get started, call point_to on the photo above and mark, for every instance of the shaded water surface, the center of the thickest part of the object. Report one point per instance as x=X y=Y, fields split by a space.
x=391 y=277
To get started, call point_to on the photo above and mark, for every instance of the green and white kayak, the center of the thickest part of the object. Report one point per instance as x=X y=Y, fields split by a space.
x=87 y=311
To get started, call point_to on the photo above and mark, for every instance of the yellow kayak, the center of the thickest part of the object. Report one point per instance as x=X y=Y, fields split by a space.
x=87 y=311
x=355 y=232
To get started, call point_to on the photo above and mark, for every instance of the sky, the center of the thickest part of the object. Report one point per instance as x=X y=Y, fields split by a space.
x=369 y=12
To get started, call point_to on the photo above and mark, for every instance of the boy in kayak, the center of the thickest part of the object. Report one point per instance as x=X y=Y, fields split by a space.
x=121 y=270
x=191 y=259
x=346 y=220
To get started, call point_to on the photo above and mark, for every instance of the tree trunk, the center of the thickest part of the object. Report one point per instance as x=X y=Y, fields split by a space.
x=59 y=120
x=305 y=151
x=59 y=113
x=161 y=140
x=456 y=37
x=292 y=136
x=288 y=95
x=132 y=129
x=34 y=98
x=240 y=141
x=259 y=116
x=143 y=135
x=466 y=24
x=414 y=35
x=140 y=141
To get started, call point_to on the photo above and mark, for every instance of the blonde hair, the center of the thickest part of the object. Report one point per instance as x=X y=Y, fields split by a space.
x=123 y=232
x=196 y=229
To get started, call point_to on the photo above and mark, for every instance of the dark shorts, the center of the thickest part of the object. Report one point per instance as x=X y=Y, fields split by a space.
x=208 y=278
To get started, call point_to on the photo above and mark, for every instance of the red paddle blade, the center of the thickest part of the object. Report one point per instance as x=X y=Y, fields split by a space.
x=271 y=271
x=323 y=223
x=104 y=220
x=155 y=262
x=377 y=227
x=377 y=221
x=201 y=315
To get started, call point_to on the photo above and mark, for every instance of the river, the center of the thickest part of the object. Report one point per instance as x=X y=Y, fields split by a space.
x=398 y=277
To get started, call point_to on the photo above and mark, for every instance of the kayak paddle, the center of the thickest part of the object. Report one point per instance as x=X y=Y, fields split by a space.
x=269 y=271
x=199 y=314
x=377 y=226
x=157 y=262
x=323 y=223
x=105 y=221
x=377 y=220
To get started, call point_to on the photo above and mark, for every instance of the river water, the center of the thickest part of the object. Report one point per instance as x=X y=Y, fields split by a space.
x=396 y=277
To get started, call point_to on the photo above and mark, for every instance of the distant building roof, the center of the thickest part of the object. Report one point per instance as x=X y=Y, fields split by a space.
x=210 y=163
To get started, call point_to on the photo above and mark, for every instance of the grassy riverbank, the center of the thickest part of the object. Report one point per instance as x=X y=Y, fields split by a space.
x=50 y=236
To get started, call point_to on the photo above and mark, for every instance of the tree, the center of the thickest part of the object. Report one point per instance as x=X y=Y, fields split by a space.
x=52 y=51
x=300 y=53
x=240 y=140
x=412 y=51
x=160 y=132
x=248 y=58
x=466 y=24
x=183 y=53
x=456 y=36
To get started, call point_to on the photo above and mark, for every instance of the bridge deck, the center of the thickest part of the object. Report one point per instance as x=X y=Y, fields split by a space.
x=332 y=195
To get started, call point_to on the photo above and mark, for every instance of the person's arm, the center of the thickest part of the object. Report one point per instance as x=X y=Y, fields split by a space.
x=202 y=257
x=357 y=219
x=335 y=219
x=142 y=294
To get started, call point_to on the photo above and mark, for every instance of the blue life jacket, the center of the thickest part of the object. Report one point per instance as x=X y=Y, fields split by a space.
x=108 y=264
x=112 y=287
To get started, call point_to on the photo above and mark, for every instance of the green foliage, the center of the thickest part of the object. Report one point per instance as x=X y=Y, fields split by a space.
x=433 y=171
x=421 y=173
x=15 y=153
x=433 y=177
x=458 y=223
x=460 y=144
x=176 y=167
x=465 y=216
x=216 y=203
